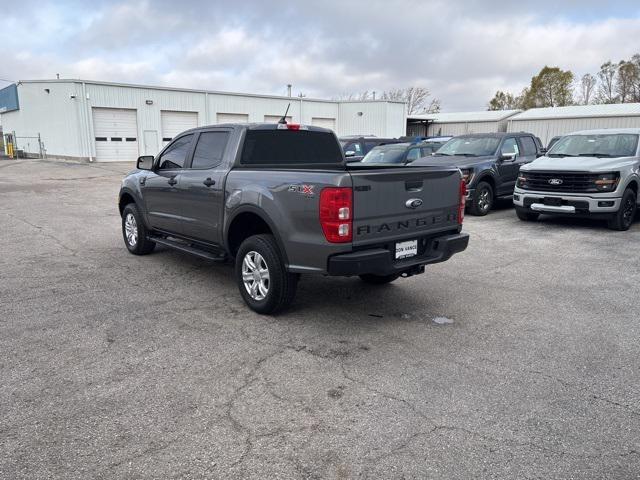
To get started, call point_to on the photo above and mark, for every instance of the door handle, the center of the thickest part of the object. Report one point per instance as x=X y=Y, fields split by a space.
x=208 y=182
x=172 y=181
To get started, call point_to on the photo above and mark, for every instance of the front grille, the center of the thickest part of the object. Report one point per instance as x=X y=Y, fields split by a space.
x=570 y=182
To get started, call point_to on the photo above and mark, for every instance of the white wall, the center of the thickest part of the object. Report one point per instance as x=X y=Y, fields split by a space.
x=55 y=115
x=66 y=124
x=463 y=128
x=546 y=129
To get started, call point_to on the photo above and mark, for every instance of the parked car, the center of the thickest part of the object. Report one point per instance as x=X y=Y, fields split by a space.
x=397 y=153
x=433 y=144
x=553 y=141
x=489 y=164
x=592 y=173
x=355 y=148
x=280 y=200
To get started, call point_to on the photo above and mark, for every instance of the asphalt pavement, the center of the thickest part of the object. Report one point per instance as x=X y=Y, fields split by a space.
x=518 y=358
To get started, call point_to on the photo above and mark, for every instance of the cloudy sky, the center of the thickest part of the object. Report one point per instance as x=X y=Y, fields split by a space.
x=463 y=51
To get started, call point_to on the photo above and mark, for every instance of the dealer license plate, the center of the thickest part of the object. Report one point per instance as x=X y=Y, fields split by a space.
x=406 y=249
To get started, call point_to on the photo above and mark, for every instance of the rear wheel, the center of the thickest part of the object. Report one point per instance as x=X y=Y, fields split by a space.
x=134 y=232
x=378 y=279
x=623 y=218
x=264 y=283
x=482 y=199
x=526 y=215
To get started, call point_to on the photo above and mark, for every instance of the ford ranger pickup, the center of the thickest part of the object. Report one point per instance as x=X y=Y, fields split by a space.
x=279 y=200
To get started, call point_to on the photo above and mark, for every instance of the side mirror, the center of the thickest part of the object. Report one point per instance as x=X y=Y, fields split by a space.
x=145 y=162
x=349 y=153
x=507 y=157
x=542 y=152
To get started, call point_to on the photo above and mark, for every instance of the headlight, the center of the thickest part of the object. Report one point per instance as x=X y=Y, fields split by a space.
x=467 y=175
x=607 y=182
x=522 y=180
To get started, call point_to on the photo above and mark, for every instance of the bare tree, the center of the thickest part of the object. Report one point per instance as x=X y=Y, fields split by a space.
x=636 y=87
x=607 y=75
x=587 y=88
x=418 y=99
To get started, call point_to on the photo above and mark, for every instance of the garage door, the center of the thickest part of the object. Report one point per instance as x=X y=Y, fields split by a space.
x=324 y=122
x=116 y=134
x=174 y=123
x=233 y=118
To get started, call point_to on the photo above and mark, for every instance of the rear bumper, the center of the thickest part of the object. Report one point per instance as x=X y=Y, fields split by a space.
x=380 y=261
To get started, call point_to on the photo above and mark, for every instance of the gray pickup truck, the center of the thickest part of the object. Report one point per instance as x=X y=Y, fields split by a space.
x=280 y=200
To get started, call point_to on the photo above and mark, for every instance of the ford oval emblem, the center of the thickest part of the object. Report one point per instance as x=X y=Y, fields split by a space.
x=413 y=203
x=555 y=181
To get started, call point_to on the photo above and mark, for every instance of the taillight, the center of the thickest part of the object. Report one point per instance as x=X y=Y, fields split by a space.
x=463 y=201
x=336 y=214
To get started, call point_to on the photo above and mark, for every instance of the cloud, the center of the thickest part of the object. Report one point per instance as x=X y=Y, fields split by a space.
x=462 y=51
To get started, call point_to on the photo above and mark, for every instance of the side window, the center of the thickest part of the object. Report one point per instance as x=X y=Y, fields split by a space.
x=209 y=149
x=176 y=154
x=369 y=145
x=354 y=147
x=413 y=154
x=509 y=147
x=528 y=146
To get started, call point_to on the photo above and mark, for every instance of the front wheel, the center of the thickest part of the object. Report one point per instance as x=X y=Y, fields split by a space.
x=134 y=232
x=264 y=283
x=482 y=200
x=623 y=218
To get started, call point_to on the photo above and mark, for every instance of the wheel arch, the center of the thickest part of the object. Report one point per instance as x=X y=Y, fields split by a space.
x=242 y=224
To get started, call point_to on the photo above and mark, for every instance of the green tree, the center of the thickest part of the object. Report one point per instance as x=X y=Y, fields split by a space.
x=552 y=87
x=503 y=101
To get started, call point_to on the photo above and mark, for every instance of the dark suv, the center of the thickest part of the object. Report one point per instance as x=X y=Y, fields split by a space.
x=355 y=148
x=397 y=153
x=489 y=162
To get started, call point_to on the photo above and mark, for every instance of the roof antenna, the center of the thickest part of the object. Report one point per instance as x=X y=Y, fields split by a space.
x=283 y=120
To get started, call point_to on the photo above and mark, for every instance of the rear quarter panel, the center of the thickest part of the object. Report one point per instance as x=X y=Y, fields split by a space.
x=280 y=196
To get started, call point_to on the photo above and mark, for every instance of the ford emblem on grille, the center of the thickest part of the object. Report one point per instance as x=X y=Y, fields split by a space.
x=555 y=181
x=413 y=203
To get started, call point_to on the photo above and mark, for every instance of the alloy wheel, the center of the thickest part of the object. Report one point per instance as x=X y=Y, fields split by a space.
x=255 y=275
x=131 y=229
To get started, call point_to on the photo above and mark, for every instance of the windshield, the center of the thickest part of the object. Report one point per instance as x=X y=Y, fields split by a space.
x=470 y=146
x=602 y=145
x=385 y=154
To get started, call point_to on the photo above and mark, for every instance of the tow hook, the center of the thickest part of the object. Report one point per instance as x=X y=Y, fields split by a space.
x=416 y=270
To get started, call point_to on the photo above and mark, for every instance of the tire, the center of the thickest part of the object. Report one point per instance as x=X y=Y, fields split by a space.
x=526 y=215
x=482 y=200
x=623 y=218
x=273 y=293
x=134 y=232
x=378 y=279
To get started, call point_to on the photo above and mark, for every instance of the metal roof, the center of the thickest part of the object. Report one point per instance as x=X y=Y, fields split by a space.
x=193 y=90
x=463 y=117
x=579 y=111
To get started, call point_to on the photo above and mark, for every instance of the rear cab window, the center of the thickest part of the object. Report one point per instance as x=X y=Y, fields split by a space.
x=295 y=148
x=209 y=149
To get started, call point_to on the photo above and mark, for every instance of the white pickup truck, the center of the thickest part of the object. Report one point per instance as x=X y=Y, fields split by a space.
x=592 y=173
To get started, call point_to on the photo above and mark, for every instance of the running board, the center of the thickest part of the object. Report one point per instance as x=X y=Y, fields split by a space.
x=182 y=247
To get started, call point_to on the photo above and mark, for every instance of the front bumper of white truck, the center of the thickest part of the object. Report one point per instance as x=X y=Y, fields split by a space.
x=566 y=204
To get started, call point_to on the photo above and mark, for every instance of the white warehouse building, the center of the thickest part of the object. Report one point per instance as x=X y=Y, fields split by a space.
x=102 y=121
x=459 y=123
x=547 y=123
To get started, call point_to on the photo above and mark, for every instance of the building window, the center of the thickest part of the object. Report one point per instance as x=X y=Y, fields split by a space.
x=101 y=139
x=116 y=139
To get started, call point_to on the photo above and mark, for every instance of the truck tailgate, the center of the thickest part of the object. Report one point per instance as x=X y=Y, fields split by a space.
x=403 y=202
